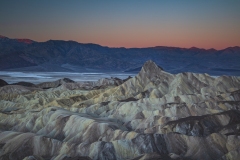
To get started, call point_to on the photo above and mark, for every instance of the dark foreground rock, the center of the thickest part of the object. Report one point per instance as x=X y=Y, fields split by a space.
x=3 y=83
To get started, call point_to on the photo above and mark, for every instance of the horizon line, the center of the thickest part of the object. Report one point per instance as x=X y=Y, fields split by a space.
x=193 y=47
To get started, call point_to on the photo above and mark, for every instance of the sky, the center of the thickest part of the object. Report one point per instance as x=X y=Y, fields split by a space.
x=125 y=23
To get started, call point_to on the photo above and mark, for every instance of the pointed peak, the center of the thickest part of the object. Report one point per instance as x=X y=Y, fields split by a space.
x=2 y=36
x=193 y=48
x=27 y=41
x=150 y=65
x=151 y=72
x=150 y=69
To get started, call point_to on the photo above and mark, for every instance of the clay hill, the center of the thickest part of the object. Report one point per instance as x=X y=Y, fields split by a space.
x=70 y=56
x=154 y=115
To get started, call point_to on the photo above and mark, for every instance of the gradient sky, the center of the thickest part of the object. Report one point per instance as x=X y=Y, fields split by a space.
x=125 y=23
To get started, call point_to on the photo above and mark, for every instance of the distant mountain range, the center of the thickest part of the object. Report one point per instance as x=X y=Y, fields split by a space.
x=58 y=55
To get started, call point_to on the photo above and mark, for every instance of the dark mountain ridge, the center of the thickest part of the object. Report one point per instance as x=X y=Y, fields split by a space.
x=59 y=55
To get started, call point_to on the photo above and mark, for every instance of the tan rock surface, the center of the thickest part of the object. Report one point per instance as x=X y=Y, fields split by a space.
x=152 y=115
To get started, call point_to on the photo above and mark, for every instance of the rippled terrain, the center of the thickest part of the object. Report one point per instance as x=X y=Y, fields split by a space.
x=153 y=115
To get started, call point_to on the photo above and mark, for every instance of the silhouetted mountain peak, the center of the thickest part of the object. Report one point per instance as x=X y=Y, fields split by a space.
x=212 y=50
x=2 y=36
x=194 y=48
x=230 y=50
x=20 y=40
x=235 y=48
x=27 y=41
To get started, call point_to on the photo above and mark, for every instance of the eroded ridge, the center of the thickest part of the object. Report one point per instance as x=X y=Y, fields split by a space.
x=152 y=115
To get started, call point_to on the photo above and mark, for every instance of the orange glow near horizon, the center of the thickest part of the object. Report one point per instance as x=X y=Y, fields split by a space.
x=140 y=39
x=130 y=24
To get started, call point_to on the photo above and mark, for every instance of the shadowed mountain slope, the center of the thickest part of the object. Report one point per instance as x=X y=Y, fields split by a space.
x=57 y=55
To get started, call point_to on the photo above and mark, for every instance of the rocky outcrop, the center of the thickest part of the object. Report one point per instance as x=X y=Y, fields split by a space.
x=16 y=89
x=27 y=84
x=55 y=84
x=154 y=115
x=3 y=83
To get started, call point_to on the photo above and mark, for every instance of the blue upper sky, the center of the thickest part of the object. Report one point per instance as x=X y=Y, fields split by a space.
x=126 y=23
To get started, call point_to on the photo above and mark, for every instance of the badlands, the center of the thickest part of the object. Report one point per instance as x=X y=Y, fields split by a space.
x=154 y=115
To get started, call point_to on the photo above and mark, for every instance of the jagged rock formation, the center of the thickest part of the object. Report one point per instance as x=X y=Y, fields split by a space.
x=154 y=115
